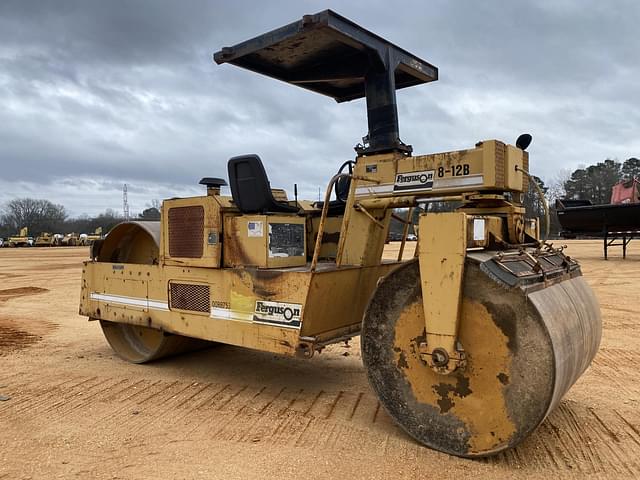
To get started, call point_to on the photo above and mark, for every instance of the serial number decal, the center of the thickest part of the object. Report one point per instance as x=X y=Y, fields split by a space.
x=455 y=171
x=414 y=181
x=278 y=313
x=220 y=304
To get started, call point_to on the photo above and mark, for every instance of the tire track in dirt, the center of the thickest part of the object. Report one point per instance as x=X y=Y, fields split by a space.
x=35 y=401
x=616 y=308
x=620 y=325
x=575 y=438
x=31 y=398
x=6 y=276
x=235 y=413
x=8 y=380
x=617 y=358
x=616 y=367
x=580 y=439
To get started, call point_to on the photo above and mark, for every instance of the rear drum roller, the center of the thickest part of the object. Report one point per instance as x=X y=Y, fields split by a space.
x=524 y=351
x=138 y=243
x=138 y=344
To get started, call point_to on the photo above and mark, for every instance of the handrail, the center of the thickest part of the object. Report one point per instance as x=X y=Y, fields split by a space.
x=325 y=210
x=323 y=218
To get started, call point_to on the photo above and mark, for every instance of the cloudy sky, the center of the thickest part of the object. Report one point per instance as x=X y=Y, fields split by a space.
x=94 y=94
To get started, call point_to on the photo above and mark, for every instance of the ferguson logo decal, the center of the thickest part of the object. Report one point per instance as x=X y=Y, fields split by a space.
x=414 y=181
x=276 y=313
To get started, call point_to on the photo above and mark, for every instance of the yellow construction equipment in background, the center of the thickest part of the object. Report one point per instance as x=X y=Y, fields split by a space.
x=46 y=239
x=469 y=346
x=21 y=240
x=70 y=240
x=88 y=239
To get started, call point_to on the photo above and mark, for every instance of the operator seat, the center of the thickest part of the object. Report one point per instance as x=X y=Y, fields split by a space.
x=250 y=187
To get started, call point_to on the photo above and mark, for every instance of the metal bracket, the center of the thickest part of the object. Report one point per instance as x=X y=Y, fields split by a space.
x=361 y=209
x=442 y=252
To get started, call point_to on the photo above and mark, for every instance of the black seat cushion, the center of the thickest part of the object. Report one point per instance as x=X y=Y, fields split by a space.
x=250 y=187
x=341 y=189
x=336 y=207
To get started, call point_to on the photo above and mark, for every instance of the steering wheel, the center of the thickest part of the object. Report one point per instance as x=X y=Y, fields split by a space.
x=342 y=185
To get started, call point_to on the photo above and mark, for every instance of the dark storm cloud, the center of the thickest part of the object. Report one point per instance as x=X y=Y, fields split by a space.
x=95 y=94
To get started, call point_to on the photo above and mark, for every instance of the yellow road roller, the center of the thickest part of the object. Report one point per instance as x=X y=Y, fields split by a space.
x=468 y=346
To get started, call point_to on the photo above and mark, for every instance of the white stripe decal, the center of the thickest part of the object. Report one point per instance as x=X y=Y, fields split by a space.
x=158 y=305
x=219 y=313
x=373 y=189
x=458 y=181
x=438 y=183
x=133 y=301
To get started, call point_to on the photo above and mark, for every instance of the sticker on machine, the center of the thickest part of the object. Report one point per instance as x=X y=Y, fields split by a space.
x=414 y=181
x=254 y=229
x=278 y=313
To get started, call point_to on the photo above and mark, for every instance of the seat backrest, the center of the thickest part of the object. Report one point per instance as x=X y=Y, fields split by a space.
x=250 y=187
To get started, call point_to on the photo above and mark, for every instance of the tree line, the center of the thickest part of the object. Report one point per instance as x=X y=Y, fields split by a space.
x=595 y=181
x=40 y=215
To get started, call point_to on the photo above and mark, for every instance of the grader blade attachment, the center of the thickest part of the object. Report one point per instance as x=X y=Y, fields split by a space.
x=525 y=346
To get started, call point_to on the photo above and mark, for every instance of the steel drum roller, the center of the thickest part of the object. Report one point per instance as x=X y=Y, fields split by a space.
x=524 y=347
x=139 y=243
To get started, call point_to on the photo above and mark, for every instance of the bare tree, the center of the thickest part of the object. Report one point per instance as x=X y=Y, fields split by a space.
x=556 y=185
x=37 y=215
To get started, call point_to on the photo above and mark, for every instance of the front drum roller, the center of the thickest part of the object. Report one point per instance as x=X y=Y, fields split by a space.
x=138 y=243
x=524 y=351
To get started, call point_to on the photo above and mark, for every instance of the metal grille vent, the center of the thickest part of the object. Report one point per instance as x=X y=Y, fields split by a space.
x=186 y=231
x=500 y=155
x=185 y=296
x=525 y=165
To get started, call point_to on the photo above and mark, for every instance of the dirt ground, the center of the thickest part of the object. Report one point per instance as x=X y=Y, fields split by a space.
x=78 y=411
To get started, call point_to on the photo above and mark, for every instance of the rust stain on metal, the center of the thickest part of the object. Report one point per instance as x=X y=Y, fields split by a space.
x=234 y=254
x=458 y=393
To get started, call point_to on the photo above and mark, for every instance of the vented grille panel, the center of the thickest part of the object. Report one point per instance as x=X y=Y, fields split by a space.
x=185 y=296
x=500 y=154
x=525 y=165
x=186 y=231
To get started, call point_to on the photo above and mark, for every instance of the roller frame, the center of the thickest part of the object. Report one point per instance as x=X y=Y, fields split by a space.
x=441 y=255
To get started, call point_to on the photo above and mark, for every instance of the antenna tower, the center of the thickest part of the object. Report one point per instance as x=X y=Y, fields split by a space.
x=125 y=203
